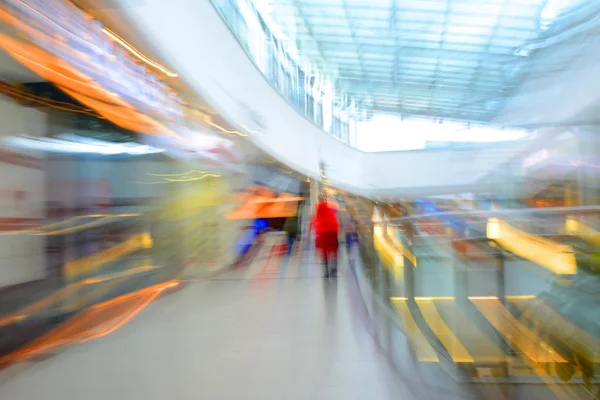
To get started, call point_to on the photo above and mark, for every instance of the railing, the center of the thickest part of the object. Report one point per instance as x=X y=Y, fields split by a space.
x=310 y=93
x=464 y=309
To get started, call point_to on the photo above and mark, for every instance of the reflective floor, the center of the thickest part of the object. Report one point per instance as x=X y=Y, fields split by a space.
x=272 y=330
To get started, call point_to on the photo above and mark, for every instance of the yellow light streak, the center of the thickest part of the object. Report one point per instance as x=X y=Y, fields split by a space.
x=455 y=348
x=523 y=338
x=555 y=257
x=418 y=342
x=136 y=53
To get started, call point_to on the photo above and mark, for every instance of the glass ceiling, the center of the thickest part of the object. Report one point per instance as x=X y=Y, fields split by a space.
x=456 y=59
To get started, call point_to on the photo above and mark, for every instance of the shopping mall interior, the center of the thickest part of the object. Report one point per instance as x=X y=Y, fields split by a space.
x=300 y=199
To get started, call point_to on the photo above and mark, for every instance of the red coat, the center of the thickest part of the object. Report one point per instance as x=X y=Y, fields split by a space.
x=326 y=226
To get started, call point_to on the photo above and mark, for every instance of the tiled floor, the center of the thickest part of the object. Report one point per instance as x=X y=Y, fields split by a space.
x=271 y=331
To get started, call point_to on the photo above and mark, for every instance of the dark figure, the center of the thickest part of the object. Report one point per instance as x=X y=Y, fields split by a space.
x=291 y=228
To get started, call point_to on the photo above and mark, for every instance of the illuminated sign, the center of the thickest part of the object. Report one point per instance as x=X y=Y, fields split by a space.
x=65 y=31
x=77 y=144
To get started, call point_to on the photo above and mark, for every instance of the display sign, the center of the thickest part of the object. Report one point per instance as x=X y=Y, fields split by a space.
x=65 y=31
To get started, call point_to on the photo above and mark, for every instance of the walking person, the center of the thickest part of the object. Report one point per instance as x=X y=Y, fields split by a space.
x=351 y=234
x=291 y=228
x=327 y=228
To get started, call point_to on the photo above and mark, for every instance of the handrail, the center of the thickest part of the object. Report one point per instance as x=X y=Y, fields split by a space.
x=499 y=213
x=385 y=310
x=558 y=258
x=523 y=340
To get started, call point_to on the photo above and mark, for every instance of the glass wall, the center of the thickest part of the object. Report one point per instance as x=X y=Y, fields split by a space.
x=312 y=94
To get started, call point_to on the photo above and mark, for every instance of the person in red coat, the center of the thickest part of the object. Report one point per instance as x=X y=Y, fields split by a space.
x=326 y=227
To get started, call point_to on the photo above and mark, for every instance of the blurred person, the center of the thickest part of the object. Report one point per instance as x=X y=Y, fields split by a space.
x=261 y=225
x=327 y=229
x=251 y=241
x=351 y=235
x=247 y=247
x=291 y=228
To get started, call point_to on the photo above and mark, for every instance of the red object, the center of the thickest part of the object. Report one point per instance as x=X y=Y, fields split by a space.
x=326 y=228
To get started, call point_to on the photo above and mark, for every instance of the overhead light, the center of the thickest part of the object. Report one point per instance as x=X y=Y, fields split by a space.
x=78 y=145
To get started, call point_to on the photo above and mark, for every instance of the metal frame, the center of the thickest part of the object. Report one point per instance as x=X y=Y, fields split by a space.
x=441 y=58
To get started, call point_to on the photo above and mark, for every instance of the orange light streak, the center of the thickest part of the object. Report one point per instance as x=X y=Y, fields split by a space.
x=27 y=311
x=75 y=330
x=74 y=83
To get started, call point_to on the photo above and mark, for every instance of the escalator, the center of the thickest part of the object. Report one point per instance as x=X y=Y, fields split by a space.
x=567 y=313
x=503 y=316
